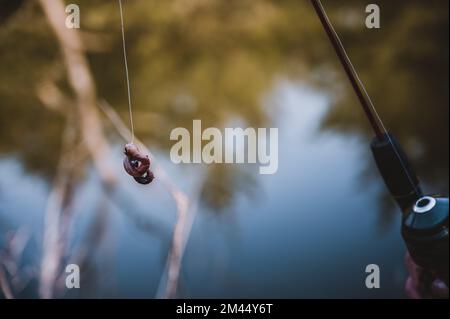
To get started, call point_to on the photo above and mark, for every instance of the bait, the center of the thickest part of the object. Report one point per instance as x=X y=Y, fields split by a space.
x=137 y=164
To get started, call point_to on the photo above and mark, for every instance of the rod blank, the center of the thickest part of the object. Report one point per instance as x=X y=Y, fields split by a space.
x=355 y=81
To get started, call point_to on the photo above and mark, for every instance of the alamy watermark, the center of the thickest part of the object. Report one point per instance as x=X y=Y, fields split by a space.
x=235 y=145
x=373 y=277
x=373 y=17
x=73 y=16
x=73 y=277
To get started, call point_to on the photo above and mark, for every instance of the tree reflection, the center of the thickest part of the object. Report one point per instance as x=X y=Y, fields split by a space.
x=215 y=61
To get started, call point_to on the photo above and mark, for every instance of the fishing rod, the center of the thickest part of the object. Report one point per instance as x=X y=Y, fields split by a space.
x=425 y=218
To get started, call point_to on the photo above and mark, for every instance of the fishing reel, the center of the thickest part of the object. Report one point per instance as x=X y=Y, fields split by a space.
x=425 y=218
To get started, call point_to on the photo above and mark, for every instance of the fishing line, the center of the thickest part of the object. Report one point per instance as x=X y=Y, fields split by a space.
x=358 y=86
x=135 y=163
x=126 y=70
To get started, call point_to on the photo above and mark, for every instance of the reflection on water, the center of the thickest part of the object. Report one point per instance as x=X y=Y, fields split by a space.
x=307 y=231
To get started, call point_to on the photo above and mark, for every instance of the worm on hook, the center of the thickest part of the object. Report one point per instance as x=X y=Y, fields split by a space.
x=137 y=164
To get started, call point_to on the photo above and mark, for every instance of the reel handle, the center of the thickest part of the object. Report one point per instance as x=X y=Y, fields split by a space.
x=397 y=172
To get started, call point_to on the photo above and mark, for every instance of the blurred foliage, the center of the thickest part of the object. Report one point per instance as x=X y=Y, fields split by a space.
x=215 y=60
